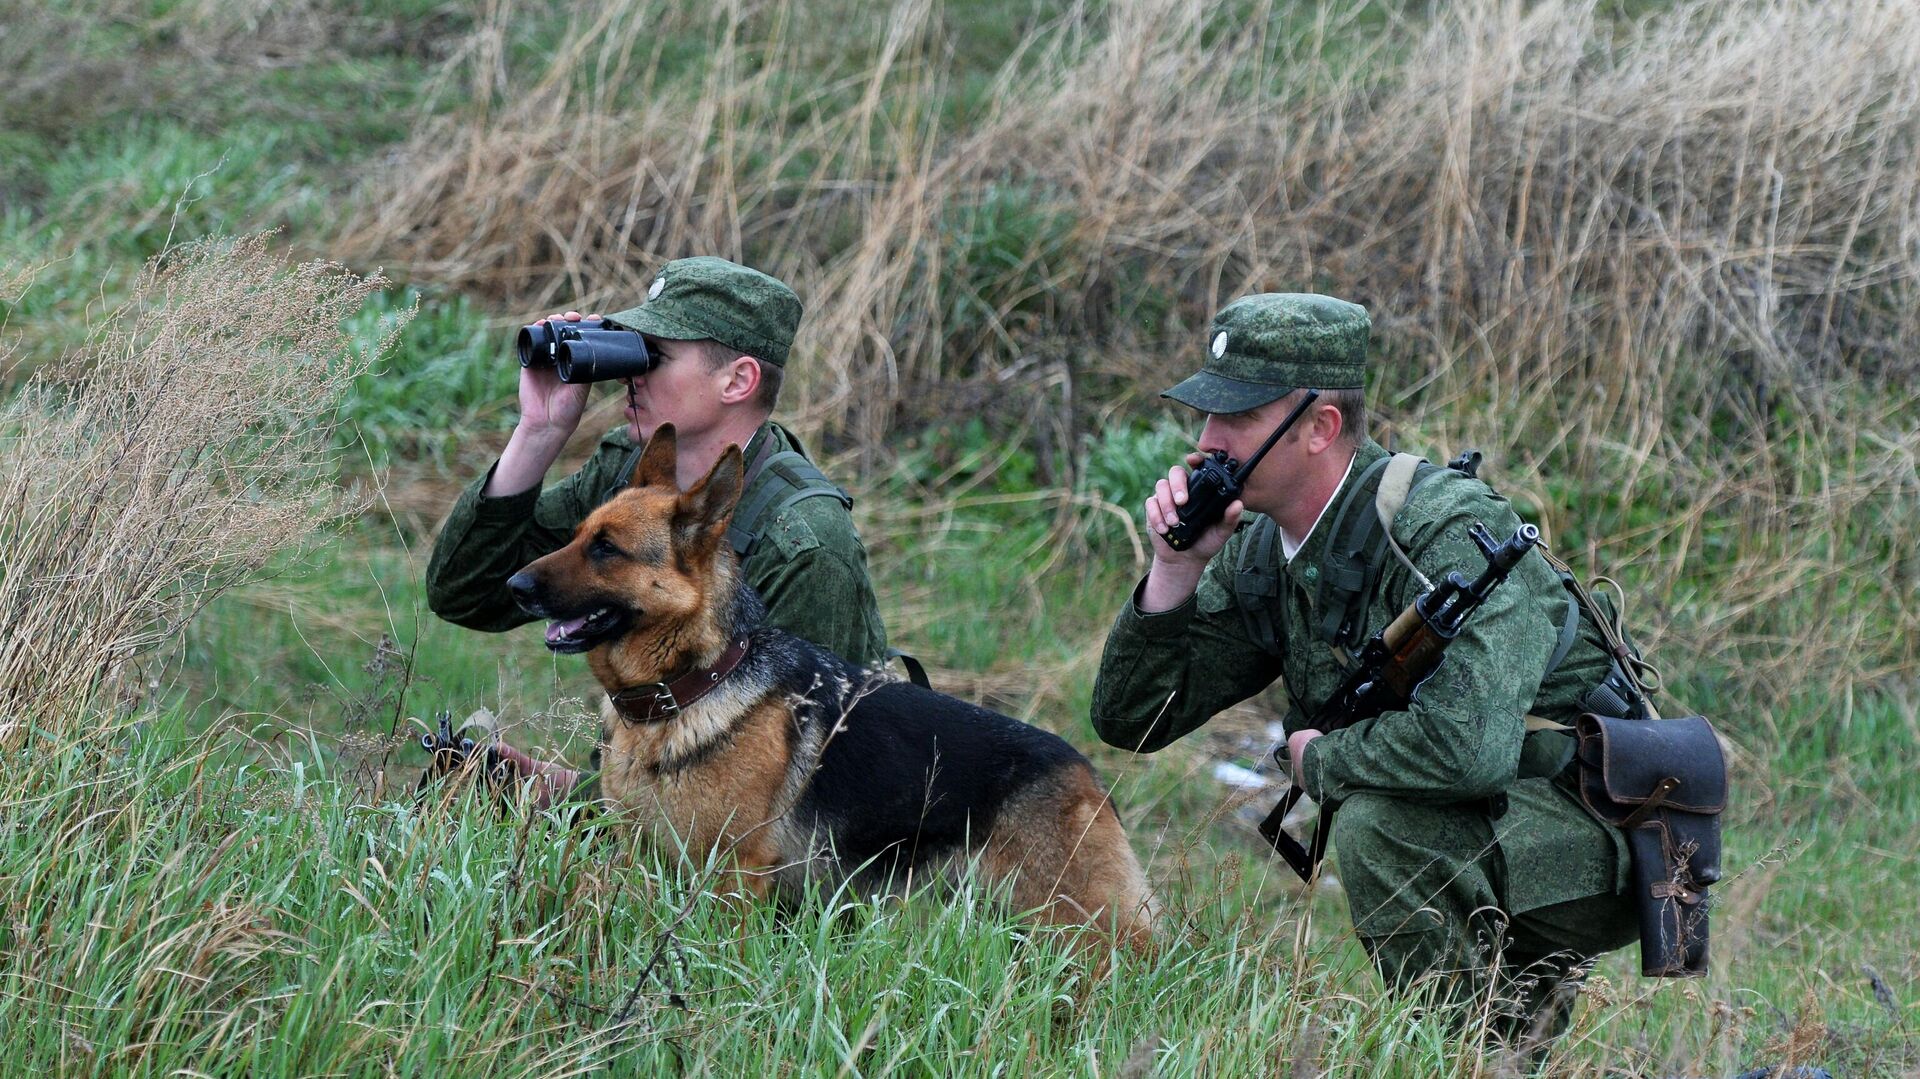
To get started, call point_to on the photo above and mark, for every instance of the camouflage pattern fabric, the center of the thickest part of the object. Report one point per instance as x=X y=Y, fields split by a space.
x=809 y=565
x=1260 y=347
x=1416 y=842
x=707 y=298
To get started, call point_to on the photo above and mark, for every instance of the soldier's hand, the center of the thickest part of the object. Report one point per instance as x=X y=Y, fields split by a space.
x=1162 y=510
x=550 y=783
x=548 y=406
x=1175 y=575
x=1297 y=754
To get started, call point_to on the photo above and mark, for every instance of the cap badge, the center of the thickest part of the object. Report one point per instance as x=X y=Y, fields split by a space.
x=1219 y=344
x=659 y=285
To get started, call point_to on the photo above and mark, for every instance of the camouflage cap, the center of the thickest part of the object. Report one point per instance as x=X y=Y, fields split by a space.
x=1261 y=346
x=707 y=298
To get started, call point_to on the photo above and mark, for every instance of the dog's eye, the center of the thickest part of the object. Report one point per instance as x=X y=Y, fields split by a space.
x=600 y=550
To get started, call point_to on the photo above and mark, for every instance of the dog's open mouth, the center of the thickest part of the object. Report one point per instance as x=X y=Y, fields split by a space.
x=580 y=634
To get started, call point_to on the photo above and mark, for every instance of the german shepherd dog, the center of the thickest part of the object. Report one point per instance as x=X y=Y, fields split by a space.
x=789 y=761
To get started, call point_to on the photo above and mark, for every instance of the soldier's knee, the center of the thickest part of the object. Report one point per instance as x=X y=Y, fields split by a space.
x=1376 y=825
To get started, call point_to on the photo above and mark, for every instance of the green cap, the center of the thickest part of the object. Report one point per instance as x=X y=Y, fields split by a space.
x=1261 y=346
x=707 y=298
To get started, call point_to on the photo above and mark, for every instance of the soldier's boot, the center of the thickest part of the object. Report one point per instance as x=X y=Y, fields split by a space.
x=1537 y=1005
x=1527 y=1011
x=1430 y=963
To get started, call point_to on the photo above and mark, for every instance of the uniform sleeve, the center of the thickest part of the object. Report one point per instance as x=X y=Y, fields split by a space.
x=1462 y=737
x=811 y=571
x=486 y=540
x=1163 y=675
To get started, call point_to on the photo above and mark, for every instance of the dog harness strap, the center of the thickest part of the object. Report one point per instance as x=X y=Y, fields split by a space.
x=655 y=702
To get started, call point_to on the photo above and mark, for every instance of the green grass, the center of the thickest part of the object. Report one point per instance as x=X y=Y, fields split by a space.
x=217 y=889
x=142 y=925
x=1818 y=858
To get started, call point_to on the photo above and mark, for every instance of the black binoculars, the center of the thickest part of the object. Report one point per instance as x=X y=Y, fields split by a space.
x=586 y=351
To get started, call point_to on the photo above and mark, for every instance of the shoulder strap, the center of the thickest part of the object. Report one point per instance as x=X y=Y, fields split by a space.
x=1398 y=483
x=1357 y=545
x=1631 y=681
x=627 y=465
x=774 y=482
x=1256 y=581
x=1404 y=473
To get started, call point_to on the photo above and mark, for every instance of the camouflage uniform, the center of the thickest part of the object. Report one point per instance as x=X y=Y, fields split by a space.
x=1442 y=819
x=807 y=563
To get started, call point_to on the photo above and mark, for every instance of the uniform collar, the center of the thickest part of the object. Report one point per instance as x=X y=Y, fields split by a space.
x=759 y=441
x=1286 y=541
x=1305 y=565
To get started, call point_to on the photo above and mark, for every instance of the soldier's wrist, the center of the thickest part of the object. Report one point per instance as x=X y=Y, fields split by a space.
x=1169 y=585
x=1310 y=765
x=1154 y=626
x=523 y=464
x=537 y=437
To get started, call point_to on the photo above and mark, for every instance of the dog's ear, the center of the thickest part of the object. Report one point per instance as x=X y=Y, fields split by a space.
x=707 y=507
x=657 y=461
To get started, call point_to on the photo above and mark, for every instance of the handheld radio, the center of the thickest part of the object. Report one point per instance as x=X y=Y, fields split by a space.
x=1213 y=486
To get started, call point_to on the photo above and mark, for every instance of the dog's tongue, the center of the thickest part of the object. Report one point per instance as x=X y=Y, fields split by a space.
x=557 y=631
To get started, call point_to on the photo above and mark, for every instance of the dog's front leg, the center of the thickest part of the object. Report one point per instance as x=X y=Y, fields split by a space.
x=755 y=858
x=747 y=884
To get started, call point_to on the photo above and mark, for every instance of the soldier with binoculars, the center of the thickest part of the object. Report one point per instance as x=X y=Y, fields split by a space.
x=706 y=351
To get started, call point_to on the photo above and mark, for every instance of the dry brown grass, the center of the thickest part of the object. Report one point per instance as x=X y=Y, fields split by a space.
x=167 y=459
x=1663 y=273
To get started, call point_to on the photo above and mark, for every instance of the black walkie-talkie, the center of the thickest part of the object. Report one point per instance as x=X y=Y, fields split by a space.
x=1213 y=486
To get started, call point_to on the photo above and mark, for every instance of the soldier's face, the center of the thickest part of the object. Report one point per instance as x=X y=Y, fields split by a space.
x=682 y=390
x=1272 y=484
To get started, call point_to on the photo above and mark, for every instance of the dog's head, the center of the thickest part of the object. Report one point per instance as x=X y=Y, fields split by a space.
x=643 y=560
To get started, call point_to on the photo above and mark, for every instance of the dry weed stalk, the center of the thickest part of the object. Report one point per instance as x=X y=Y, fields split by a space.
x=182 y=447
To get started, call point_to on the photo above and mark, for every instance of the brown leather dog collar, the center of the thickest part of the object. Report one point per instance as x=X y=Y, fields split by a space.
x=656 y=702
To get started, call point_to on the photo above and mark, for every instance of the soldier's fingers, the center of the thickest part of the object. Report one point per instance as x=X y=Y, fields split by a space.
x=1177 y=485
x=1156 y=521
x=1163 y=497
x=1230 y=520
x=1194 y=459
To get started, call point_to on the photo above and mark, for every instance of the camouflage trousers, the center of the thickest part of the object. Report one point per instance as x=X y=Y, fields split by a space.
x=1427 y=888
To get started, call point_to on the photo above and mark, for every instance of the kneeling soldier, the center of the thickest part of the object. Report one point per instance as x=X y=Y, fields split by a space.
x=1462 y=854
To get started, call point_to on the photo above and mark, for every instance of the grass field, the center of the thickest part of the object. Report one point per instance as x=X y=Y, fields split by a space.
x=1655 y=258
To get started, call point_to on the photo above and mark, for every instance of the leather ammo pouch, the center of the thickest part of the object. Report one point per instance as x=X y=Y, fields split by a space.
x=1664 y=783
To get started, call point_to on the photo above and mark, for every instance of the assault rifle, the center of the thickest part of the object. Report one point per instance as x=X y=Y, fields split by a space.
x=1390 y=670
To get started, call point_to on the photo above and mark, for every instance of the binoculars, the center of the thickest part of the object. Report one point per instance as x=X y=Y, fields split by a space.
x=586 y=351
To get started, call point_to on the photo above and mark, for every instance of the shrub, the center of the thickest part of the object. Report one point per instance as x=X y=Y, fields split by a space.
x=165 y=461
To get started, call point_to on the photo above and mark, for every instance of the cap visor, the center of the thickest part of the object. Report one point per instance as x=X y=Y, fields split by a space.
x=654 y=324
x=1219 y=394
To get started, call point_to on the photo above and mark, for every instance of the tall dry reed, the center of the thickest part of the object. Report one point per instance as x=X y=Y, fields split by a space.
x=169 y=458
x=1665 y=272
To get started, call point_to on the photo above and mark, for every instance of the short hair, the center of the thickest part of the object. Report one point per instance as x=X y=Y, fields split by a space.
x=771 y=376
x=1352 y=404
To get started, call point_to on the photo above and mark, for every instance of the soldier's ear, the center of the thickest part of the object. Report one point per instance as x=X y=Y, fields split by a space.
x=707 y=506
x=656 y=465
x=1324 y=431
